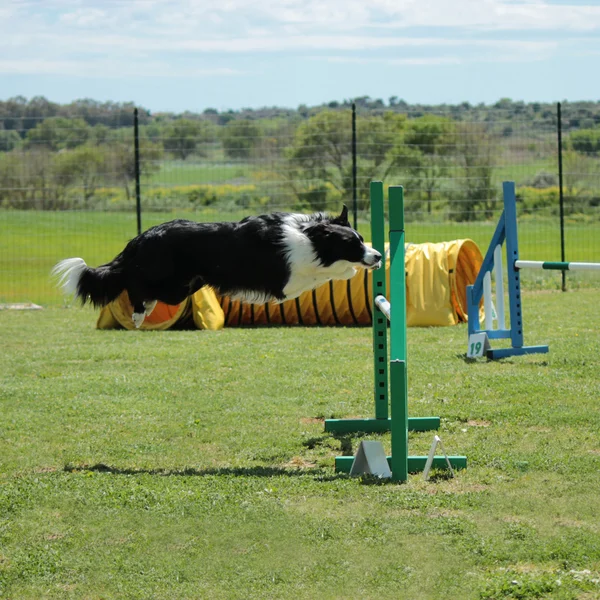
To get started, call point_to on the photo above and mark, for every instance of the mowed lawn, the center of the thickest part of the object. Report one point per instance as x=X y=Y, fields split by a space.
x=188 y=464
x=31 y=242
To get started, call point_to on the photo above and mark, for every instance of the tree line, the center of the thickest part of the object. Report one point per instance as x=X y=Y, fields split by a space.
x=435 y=154
x=20 y=114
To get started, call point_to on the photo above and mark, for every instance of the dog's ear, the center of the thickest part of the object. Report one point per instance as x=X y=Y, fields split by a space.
x=344 y=214
x=343 y=218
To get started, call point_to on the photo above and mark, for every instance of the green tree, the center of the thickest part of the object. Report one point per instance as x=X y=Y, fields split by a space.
x=476 y=195
x=100 y=134
x=13 y=184
x=58 y=133
x=580 y=181
x=586 y=141
x=83 y=167
x=239 y=137
x=9 y=140
x=320 y=158
x=424 y=153
x=121 y=161
x=186 y=136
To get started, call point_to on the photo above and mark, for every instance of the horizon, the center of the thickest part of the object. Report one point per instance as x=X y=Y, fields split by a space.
x=326 y=104
x=189 y=55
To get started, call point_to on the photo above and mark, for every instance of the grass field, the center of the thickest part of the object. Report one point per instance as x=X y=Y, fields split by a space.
x=180 y=172
x=188 y=464
x=32 y=242
x=202 y=171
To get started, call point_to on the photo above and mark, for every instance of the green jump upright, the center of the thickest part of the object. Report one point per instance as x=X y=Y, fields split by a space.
x=398 y=349
x=398 y=421
x=382 y=421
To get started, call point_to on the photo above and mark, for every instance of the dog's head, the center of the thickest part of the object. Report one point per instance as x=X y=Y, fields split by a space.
x=335 y=241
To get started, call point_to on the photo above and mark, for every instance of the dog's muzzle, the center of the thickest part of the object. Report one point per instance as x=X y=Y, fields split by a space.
x=373 y=266
x=373 y=261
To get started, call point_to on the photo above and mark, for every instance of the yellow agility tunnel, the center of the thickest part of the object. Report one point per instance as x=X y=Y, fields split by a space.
x=436 y=278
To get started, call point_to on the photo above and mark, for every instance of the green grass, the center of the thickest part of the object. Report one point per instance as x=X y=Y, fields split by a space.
x=179 y=172
x=32 y=242
x=187 y=464
x=524 y=172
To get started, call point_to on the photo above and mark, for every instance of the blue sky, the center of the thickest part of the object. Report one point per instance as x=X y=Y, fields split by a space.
x=177 y=55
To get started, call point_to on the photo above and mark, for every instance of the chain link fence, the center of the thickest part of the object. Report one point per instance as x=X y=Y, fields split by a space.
x=82 y=184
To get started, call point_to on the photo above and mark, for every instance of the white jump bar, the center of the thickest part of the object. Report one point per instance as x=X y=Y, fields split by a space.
x=383 y=305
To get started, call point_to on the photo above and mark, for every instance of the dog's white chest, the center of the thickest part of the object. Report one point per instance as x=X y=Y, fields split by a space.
x=303 y=280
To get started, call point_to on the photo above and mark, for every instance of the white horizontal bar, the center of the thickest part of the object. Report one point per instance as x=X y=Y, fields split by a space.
x=557 y=266
x=383 y=305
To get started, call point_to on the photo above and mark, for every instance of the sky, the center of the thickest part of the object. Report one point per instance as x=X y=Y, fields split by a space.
x=180 y=55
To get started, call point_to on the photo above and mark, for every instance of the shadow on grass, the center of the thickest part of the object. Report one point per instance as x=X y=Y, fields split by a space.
x=474 y=361
x=506 y=361
x=321 y=474
x=258 y=471
x=345 y=441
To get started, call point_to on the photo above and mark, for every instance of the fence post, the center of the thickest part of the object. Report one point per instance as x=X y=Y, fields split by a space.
x=136 y=146
x=560 y=195
x=354 y=191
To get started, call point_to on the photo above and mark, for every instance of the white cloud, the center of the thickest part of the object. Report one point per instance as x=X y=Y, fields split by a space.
x=87 y=36
x=108 y=68
x=231 y=18
x=84 y=18
x=491 y=15
x=422 y=61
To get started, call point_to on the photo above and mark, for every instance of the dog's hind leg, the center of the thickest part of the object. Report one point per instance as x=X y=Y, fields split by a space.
x=138 y=315
x=149 y=306
x=141 y=308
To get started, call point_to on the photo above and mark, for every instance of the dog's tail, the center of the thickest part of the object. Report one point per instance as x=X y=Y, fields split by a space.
x=98 y=286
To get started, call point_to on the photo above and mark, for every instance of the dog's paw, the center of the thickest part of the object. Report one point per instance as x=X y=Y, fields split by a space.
x=138 y=319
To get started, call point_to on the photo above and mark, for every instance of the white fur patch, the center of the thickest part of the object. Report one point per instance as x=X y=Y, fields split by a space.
x=69 y=273
x=149 y=307
x=138 y=319
x=251 y=297
x=302 y=259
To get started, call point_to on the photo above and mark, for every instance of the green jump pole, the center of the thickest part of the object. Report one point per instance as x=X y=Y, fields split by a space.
x=380 y=349
x=398 y=349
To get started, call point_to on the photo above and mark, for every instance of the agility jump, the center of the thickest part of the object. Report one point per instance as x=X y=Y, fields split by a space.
x=396 y=420
x=506 y=233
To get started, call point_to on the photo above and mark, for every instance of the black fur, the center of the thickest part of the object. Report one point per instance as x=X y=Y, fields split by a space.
x=252 y=259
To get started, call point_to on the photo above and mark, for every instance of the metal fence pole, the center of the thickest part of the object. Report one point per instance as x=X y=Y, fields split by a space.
x=354 y=190
x=560 y=195
x=136 y=145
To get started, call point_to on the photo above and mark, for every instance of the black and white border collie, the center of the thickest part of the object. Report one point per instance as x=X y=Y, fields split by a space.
x=269 y=258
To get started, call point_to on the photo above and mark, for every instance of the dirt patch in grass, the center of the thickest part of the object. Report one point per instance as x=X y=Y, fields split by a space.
x=297 y=462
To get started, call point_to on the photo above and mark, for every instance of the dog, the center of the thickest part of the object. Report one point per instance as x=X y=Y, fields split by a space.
x=267 y=258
